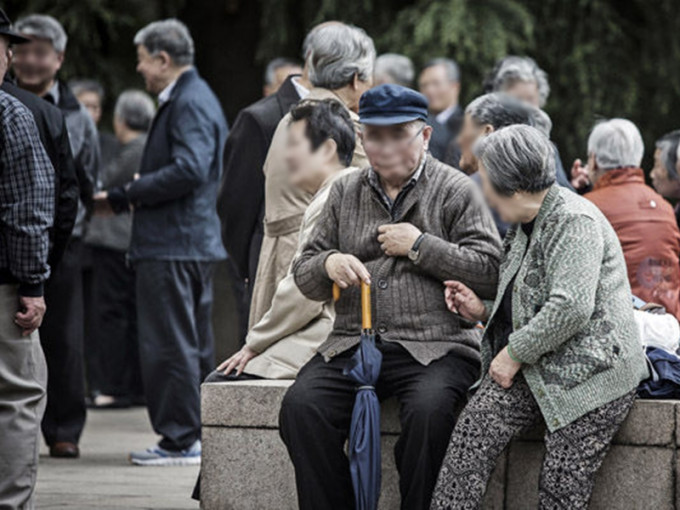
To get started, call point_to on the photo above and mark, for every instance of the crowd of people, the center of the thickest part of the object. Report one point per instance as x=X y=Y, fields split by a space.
x=503 y=284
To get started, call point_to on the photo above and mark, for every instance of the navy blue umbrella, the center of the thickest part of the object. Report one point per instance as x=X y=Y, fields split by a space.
x=364 y=433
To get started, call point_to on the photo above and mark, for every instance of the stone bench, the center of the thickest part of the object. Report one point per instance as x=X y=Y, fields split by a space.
x=246 y=466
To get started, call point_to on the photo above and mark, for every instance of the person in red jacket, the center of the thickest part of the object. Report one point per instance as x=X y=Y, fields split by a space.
x=643 y=220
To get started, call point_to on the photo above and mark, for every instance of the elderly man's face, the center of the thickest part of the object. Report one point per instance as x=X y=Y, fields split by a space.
x=662 y=181
x=36 y=64
x=525 y=91
x=153 y=68
x=395 y=151
x=440 y=91
x=467 y=137
x=93 y=103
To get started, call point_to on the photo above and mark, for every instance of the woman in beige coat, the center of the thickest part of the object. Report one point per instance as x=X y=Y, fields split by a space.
x=320 y=146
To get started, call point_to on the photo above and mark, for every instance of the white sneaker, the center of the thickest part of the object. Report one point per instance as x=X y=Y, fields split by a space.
x=158 y=456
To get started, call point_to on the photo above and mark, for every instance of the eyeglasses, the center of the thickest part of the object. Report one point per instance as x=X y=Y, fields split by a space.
x=399 y=145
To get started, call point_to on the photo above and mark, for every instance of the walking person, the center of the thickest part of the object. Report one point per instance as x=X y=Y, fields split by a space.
x=175 y=239
x=560 y=344
x=36 y=65
x=27 y=213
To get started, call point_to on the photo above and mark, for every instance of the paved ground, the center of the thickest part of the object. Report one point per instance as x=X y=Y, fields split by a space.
x=102 y=477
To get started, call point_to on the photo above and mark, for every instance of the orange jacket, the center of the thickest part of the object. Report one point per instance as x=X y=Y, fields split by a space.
x=646 y=227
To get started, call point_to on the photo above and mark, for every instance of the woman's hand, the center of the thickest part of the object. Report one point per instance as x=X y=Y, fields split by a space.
x=346 y=270
x=503 y=369
x=463 y=301
x=238 y=361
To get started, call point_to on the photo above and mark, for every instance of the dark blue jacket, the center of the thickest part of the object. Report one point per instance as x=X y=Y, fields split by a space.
x=175 y=216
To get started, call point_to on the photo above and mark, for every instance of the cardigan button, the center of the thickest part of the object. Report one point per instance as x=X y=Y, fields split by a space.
x=382 y=328
x=331 y=354
x=541 y=393
x=556 y=422
x=382 y=284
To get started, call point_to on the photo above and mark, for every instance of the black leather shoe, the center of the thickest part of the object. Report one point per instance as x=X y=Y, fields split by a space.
x=64 y=450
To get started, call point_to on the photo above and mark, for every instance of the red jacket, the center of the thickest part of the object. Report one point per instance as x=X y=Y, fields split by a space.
x=646 y=226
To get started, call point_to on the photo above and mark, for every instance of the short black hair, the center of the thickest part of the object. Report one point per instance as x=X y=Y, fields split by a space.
x=326 y=119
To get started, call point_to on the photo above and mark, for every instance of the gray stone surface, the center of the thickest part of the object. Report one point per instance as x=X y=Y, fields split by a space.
x=103 y=479
x=636 y=430
x=631 y=477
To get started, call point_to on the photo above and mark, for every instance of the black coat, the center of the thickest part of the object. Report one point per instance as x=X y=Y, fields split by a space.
x=54 y=137
x=443 y=145
x=241 y=200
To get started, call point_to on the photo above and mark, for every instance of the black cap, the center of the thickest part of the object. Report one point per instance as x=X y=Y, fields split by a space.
x=6 y=30
x=391 y=104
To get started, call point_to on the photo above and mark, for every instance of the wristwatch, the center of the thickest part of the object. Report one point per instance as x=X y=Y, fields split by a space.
x=414 y=252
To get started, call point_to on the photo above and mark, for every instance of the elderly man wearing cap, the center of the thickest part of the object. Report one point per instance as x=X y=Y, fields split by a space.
x=405 y=224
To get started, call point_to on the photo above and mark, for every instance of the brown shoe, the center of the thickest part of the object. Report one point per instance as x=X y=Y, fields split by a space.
x=64 y=450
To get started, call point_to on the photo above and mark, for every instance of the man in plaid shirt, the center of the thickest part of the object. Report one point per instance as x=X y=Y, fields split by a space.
x=26 y=214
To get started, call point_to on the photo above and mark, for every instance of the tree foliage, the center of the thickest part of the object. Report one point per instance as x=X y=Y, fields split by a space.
x=604 y=58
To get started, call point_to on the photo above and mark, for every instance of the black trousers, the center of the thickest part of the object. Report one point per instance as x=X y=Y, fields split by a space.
x=317 y=409
x=61 y=336
x=115 y=334
x=174 y=316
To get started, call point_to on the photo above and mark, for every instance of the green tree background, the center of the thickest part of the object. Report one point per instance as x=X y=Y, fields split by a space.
x=604 y=58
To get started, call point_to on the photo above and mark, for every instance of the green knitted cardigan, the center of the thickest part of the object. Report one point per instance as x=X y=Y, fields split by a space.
x=573 y=325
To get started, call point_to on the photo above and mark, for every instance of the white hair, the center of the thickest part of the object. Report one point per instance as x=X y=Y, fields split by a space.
x=337 y=52
x=42 y=26
x=616 y=143
x=512 y=69
x=136 y=109
x=171 y=36
x=396 y=68
x=517 y=158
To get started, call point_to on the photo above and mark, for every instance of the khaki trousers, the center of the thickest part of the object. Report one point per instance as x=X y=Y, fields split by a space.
x=23 y=380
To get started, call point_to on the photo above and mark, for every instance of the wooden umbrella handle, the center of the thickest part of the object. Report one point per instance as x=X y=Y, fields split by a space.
x=366 y=320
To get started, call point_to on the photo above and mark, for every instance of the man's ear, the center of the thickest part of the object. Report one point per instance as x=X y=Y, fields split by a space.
x=488 y=129
x=165 y=59
x=330 y=150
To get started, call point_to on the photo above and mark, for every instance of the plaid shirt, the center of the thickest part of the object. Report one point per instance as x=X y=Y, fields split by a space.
x=26 y=199
x=394 y=206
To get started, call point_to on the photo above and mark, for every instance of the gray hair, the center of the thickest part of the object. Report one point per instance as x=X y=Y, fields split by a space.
x=616 y=143
x=136 y=109
x=669 y=145
x=337 y=53
x=512 y=69
x=276 y=64
x=499 y=110
x=171 y=36
x=42 y=26
x=450 y=66
x=517 y=158
x=397 y=68
x=80 y=86
x=540 y=120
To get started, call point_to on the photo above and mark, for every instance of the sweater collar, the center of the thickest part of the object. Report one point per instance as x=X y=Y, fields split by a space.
x=618 y=176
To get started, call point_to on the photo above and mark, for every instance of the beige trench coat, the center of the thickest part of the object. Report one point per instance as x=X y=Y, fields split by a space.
x=284 y=208
x=289 y=333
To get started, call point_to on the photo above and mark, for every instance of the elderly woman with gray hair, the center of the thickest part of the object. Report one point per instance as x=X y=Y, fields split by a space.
x=113 y=279
x=560 y=344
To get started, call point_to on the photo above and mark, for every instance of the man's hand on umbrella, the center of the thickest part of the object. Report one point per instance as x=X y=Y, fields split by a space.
x=346 y=270
x=503 y=369
x=238 y=361
x=396 y=239
x=462 y=300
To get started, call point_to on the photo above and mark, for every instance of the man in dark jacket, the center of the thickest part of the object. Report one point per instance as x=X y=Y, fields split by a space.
x=241 y=200
x=36 y=65
x=54 y=137
x=175 y=239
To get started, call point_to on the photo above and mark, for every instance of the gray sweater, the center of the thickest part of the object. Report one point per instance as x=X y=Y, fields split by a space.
x=114 y=232
x=461 y=243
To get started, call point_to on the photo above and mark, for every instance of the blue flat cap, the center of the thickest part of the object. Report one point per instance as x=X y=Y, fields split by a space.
x=390 y=104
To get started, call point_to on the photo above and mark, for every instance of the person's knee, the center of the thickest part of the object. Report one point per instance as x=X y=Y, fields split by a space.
x=298 y=404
